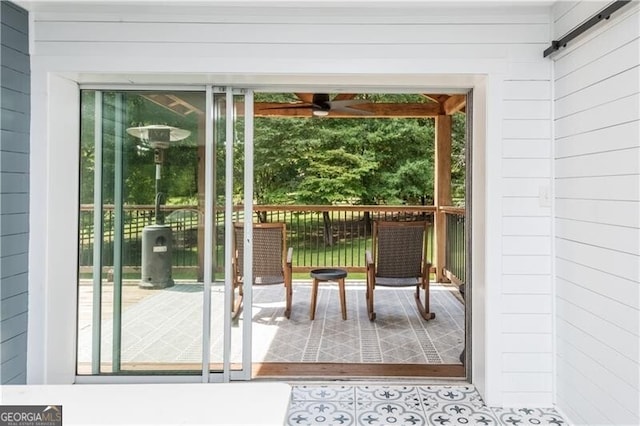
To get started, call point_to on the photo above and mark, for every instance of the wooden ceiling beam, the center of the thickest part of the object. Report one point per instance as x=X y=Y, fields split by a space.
x=439 y=98
x=430 y=97
x=173 y=103
x=186 y=105
x=344 y=97
x=448 y=106
x=308 y=97
x=454 y=104
x=305 y=97
x=376 y=110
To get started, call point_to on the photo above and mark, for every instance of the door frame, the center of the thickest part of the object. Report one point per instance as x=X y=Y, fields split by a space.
x=66 y=89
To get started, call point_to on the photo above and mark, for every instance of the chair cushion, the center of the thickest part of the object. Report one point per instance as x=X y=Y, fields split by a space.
x=397 y=282
x=268 y=280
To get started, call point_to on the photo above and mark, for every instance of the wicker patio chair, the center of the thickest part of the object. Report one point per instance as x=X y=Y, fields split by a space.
x=399 y=260
x=271 y=261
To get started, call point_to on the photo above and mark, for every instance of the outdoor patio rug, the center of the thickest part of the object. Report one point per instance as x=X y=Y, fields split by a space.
x=165 y=327
x=398 y=335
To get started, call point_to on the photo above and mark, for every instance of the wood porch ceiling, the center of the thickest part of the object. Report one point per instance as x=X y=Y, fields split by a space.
x=438 y=104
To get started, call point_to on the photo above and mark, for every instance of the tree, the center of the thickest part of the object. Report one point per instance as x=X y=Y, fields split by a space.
x=87 y=146
x=396 y=144
x=380 y=160
x=279 y=144
x=458 y=157
x=332 y=177
x=412 y=182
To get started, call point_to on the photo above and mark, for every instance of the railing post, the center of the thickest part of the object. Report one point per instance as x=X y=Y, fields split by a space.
x=442 y=192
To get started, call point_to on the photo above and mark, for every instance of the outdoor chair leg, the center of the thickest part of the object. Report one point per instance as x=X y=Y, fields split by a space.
x=236 y=302
x=424 y=308
x=314 y=299
x=343 y=298
x=372 y=315
x=288 y=288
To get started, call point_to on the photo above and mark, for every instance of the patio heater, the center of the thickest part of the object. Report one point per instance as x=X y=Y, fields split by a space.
x=157 y=239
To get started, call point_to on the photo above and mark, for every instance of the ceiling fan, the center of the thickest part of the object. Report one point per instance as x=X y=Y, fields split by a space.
x=321 y=104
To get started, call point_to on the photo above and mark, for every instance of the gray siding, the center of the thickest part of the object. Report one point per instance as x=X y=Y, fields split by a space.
x=14 y=191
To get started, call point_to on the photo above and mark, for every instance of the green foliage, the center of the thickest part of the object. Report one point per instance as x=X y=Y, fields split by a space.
x=278 y=150
x=179 y=172
x=296 y=160
x=396 y=145
x=87 y=156
x=458 y=157
x=303 y=159
x=412 y=183
x=333 y=176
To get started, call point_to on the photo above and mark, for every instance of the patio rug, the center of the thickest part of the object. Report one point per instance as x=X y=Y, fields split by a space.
x=165 y=327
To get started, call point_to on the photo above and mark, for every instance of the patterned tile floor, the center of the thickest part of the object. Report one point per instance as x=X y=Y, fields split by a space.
x=405 y=405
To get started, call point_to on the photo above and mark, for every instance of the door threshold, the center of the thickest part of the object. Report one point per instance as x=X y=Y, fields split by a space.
x=328 y=370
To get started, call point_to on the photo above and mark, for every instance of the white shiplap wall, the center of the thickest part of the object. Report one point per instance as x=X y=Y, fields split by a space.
x=597 y=216
x=526 y=316
x=416 y=45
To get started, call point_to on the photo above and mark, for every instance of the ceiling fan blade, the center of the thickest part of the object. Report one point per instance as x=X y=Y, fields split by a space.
x=290 y=106
x=346 y=103
x=349 y=110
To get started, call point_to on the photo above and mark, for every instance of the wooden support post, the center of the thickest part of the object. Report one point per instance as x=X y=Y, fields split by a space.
x=201 y=193
x=442 y=192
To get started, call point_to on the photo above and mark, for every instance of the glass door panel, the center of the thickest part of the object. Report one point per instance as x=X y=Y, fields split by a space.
x=162 y=181
x=217 y=285
x=228 y=300
x=141 y=232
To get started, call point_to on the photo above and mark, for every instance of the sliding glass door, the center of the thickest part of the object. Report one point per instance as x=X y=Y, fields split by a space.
x=158 y=175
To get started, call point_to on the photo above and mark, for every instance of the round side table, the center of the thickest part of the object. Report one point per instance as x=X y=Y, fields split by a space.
x=328 y=274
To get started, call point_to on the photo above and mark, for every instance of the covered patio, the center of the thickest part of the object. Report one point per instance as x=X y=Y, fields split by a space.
x=445 y=215
x=159 y=330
